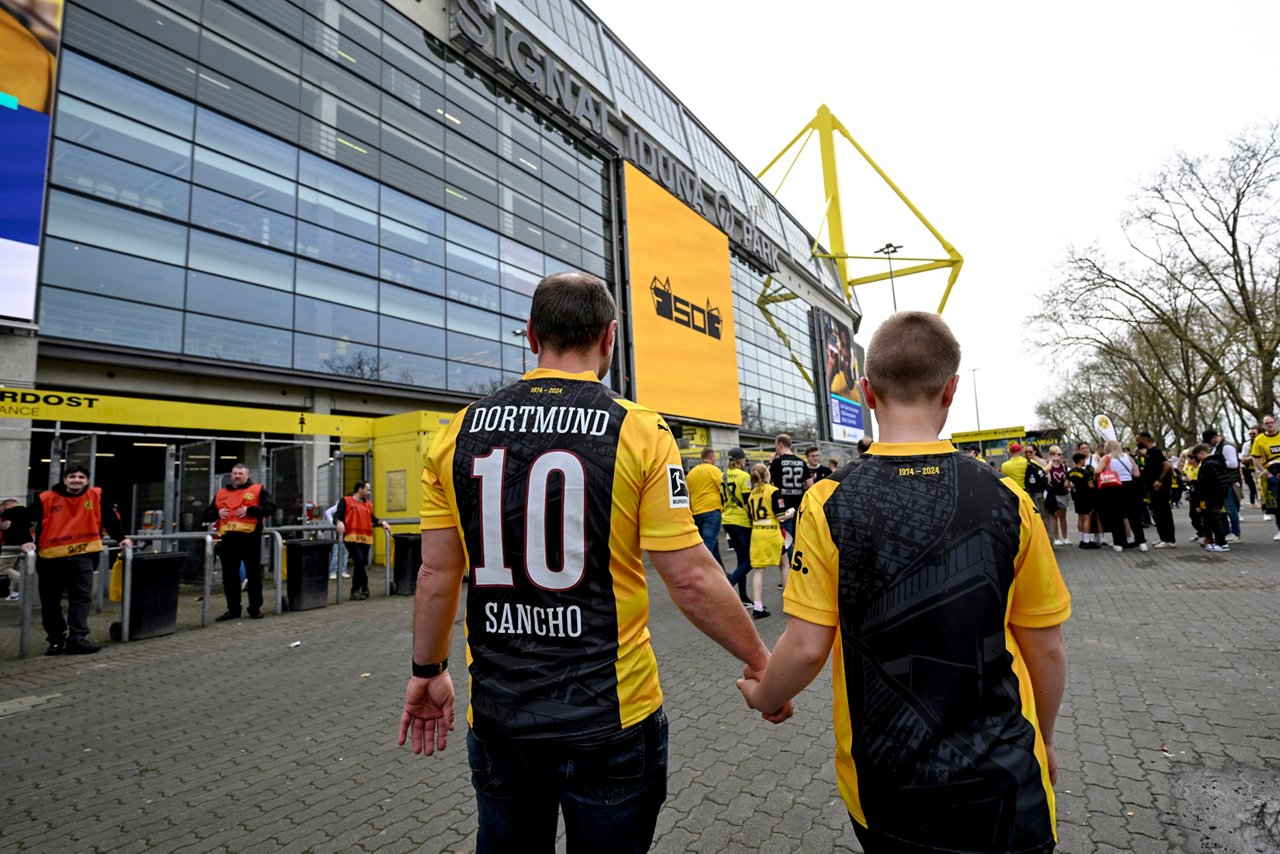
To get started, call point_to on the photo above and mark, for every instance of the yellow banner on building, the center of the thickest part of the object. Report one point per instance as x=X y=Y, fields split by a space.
x=686 y=361
x=92 y=408
x=989 y=435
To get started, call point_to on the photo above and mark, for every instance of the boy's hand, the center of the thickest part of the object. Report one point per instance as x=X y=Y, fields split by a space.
x=748 y=688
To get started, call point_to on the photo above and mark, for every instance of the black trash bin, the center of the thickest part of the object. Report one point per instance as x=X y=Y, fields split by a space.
x=153 y=599
x=308 y=569
x=408 y=557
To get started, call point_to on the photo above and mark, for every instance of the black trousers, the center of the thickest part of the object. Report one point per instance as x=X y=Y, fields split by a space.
x=74 y=575
x=360 y=557
x=1162 y=514
x=232 y=549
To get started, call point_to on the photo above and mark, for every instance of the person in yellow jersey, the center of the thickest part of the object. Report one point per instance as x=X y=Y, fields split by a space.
x=932 y=577
x=546 y=491
x=767 y=509
x=735 y=486
x=1266 y=456
x=704 y=501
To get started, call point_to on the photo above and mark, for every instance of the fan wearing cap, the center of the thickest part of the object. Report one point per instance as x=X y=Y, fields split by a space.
x=1015 y=468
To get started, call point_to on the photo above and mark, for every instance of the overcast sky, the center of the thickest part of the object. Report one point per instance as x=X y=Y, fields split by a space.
x=1017 y=129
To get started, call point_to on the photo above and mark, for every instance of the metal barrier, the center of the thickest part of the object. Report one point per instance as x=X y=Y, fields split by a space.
x=26 y=588
x=404 y=520
x=277 y=557
x=128 y=575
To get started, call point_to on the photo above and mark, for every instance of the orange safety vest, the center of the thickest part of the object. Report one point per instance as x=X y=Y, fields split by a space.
x=233 y=500
x=358 y=521
x=71 y=524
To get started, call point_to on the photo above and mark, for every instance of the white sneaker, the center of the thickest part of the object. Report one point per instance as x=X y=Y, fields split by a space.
x=1163 y=545
x=1117 y=548
x=333 y=575
x=1266 y=517
x=1217 y=548
x=346 y=574
x=1277 y=537
x=13 y=596
x=1232 y=538
x=1142 y=547
x=1066 y=542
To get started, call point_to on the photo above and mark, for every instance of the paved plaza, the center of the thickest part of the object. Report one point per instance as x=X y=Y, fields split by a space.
x=278 y=735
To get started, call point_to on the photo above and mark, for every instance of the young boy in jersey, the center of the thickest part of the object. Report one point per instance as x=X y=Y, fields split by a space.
x=1080 y=482
x=767 y=509
x=933 y=579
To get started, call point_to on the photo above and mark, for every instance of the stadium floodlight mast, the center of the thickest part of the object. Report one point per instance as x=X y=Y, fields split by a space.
x=887 y=251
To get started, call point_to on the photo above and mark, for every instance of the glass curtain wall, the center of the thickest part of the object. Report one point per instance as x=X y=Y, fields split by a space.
x=323 y=189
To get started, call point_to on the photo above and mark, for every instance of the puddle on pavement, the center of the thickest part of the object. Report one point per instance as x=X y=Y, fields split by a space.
x=1236 y=809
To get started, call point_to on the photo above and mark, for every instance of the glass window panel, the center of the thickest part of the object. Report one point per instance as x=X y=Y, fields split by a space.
x=472 y=236
x=521 y=281
x=472 y=263
x=119 y=228
x=285 y=17
x=412 y=211
x=592 y=174
x=234 y=340
x=124 y=94
x=223 y=92
x=330 y=356
x=397 y=173
x=473 y=322
x=558 y=150
x=472 y=291
x=106 y=177
x=351 y=46
x=562 y=204
x=331 y=212
x=227 y=297
x=521 y=230
x=403 y=270
x=111 y=43
x=465 y=125
x=339 y=81
x=233 y=259
x=475 y=379
x=516 y=305
x=569 y=253
x=473 y=94
x=520 y=178
x=104 y=131
x=517 y=359
x=519 y=255
x=337 y=181
x=592 y=242
x=150 y=20
x=330 y=110
x=334 y=321
x=241 y=219
x=234 y=178
x=560 y=180
x=335 y=285
x=467 y=204
x=412 y=149
x=246 y=32
x=86 y=317
x=244 y=66
x=471 y=182
x=411 y=241
x=410 y=337
x=596 y=265
x=409 y=369
x=518 y=122
x=474 y=351
x=221 y=134
x=98 y=271
x=419 y=124
x=406 y=70
x=343 y=148
x=411 y=305
x=518 y=205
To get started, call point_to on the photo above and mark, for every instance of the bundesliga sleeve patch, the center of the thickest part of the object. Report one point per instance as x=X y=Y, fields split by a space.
x=677 y=489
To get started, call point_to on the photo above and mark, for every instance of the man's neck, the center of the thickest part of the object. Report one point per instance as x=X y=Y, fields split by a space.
x=569 y=362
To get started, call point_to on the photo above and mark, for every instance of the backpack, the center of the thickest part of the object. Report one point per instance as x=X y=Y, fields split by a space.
x=1036 y=480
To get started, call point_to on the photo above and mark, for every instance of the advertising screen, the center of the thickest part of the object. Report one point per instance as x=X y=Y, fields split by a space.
x=28 y=71
x=686 y=361
x=841 y=362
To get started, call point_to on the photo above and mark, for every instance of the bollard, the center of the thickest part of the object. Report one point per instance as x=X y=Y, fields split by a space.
x=208 y=580
x=387 y=559
x=128 y=594
x=28 y=579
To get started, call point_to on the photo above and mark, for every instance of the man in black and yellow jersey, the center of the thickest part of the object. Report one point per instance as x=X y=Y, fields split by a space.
x=933 y=578
x=1266 y=456
x=546 y=491
x=68 y=522
x=704 y=500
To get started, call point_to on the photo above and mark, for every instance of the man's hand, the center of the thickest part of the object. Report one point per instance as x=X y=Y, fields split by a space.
x=428 y=713
x=126 y=543
x=1156 y=485
x=28 y=548
x=241 y=512
x=223 y=512
x=1052 y=756
x=748 y=686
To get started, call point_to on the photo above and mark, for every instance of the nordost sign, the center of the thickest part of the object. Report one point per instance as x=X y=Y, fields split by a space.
x=478 y=22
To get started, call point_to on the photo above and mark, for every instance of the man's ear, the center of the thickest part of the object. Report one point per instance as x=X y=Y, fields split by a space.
x=868 y=396
x=949 y=391
x=534 y=346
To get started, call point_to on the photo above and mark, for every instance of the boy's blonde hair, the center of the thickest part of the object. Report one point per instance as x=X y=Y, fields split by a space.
x=759 y=474
x=911 y=357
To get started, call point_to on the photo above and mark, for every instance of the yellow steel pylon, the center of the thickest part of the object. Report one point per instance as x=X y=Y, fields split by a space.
x=826 y=125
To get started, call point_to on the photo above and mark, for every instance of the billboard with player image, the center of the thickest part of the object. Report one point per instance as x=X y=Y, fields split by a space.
x=29 y=35
x=841 y=362
x=686 y=356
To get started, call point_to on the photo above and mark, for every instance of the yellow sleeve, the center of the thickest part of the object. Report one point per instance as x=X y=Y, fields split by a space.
x=438 y=510
x=1039 y=598
x=812 y=592
x=666 y=522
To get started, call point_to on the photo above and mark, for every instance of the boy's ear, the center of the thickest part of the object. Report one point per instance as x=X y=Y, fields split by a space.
x=868 y=396
x=949 y=391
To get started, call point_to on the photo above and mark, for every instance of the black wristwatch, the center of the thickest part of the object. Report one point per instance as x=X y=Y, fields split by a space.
x=428 y=671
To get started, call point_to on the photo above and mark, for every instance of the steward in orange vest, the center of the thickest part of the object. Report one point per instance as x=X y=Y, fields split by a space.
x=238 y=510
x=68 y=522
x=355 y=522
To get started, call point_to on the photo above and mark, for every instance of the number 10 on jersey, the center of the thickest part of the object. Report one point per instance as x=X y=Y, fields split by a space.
x=490 y=470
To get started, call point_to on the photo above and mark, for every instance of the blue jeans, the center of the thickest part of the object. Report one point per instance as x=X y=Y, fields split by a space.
x=610 y=790
x=709 y=527
x=1233 y=510
x=740 y=540
x=1273 y=487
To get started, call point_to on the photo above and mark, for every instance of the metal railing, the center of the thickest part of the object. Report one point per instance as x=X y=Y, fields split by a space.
x=26 y=587
x=126 y=603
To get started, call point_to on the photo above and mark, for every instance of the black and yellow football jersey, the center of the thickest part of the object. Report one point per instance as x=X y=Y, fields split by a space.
x=555 y=484
x=916 y=554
